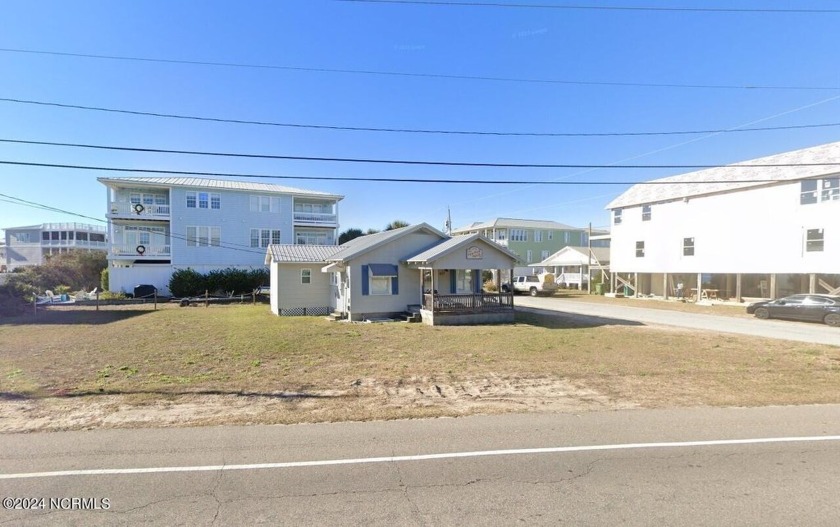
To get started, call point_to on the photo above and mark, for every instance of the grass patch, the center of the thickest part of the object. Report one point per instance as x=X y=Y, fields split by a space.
x=247 y=350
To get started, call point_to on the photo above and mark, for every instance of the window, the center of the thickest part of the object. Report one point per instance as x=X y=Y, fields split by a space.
x=616 y=216
x=831 y=189
x=808 y=192
x=313 y=238
x=464 y=281
x=518 y=235
x=203 y=236
x=688 y=246
x=814 y=240
x=379 y=279
x=204 y=200
x=264 y=204
x=23 y=237
x=45 y=236
x=529 y=256
x=97 y=237
x=82 y=236
x=501 y=235
x=538 y=236
x=550 y=235
x=264 y=237
x=306 y=276
x=640 y=249
x=646 y=213
x=543 y=255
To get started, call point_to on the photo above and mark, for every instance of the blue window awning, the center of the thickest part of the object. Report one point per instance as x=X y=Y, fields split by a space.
x=382 y=269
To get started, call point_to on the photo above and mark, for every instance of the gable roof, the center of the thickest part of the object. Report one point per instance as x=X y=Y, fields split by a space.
x=701 y=182
x=363 y=244
x=442 y=249
x=573 y=255
x=513 y=223
x=286 y=253
x=221 y=184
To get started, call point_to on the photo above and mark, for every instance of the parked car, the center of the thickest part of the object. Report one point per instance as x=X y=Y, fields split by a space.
x=532 y=284
x=816 y=308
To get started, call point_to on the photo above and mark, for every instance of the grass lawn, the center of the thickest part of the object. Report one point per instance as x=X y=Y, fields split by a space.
x=311 y=369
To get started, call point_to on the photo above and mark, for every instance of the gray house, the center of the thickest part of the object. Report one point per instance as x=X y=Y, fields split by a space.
x=414 y=269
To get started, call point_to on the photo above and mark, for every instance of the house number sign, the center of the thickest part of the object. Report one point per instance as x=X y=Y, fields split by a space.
x=474 y=253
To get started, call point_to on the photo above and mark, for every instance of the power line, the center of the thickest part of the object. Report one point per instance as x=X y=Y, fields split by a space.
x=438 y=180
x=594 y=7
x=412 y=130
x=415 y=75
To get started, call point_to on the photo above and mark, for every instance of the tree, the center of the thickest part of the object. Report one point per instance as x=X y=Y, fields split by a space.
x=396 y=224
x=349 y=234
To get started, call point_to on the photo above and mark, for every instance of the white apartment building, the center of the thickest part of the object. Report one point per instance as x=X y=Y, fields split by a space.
x=33 y=244
x=160 y=224
x=731 y=232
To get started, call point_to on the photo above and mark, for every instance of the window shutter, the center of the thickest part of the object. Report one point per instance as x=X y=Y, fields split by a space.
x=365 y=281
x=395 y=283
x=453 y=281
x=476 y=280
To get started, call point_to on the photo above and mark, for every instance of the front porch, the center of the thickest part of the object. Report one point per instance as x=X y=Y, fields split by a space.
x=467 y=308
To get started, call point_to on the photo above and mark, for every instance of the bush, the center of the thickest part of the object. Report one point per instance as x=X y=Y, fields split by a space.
x=104 y=280
x=15 y=297
x=188 y=282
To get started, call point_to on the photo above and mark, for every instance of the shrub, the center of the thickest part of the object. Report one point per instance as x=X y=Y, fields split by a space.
x=187 y=282
x=490 y=286
x=104 y=280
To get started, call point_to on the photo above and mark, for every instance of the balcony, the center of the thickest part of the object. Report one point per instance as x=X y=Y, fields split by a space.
x=316 y=219
x=138 y=211
x=149 y=252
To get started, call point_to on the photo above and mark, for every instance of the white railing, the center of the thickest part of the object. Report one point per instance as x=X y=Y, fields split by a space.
x=122 y=208
x=315 y=217
x=141 y=250
x=73 y=243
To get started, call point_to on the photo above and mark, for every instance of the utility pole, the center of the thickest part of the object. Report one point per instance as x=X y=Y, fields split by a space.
x=589 y=267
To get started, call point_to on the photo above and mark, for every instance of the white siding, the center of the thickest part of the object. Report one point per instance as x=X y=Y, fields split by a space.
x=759 y=230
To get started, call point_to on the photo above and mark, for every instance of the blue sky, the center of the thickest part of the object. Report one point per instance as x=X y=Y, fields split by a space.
x=648 y=47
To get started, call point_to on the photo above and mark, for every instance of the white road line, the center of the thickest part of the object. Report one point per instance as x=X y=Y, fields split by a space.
x=421 y=457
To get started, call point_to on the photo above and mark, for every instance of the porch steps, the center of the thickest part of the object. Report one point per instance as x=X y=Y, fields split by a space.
x=335 y=316
x=412 y=313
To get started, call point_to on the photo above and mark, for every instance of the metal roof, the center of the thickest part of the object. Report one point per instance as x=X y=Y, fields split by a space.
x=283 y=253
x=222 y=184
x=363 y=244
x=573 y=255
x=700 y=181
x=443 y=248
x=513 y=223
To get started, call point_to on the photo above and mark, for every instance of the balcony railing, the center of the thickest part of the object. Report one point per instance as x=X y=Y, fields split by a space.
x=318 y=218
x=74 y=243
x=468 y=303
x=139 y=210
x=142 y=251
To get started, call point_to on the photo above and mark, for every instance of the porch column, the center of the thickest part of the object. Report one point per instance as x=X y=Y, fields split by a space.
x=613 y=280
x=432 y=271
x=738 y=288
x=665 y=286
x=635 y=285
x=812 y=283
x=699 y=287
x=728 y=284
x=772 y=285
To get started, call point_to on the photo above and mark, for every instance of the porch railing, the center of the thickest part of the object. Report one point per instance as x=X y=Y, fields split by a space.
x=468 y=303
x=315 y=217
x=141 y=250
x=122 y=208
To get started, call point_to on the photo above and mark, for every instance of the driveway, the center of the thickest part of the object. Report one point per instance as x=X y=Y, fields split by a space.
x=776 y=329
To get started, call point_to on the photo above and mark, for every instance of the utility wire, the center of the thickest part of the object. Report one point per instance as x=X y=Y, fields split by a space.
x=412 y=130
x=415 y=75
x=382 y=161
x=434 y=180
x=594 y=7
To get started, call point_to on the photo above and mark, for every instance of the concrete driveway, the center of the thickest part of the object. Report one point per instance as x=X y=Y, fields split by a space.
x=776 y=329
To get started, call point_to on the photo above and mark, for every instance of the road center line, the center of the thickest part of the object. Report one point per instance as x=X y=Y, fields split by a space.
x=421 y=457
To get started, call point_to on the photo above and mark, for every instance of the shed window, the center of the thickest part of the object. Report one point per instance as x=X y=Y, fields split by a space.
x=306 y=276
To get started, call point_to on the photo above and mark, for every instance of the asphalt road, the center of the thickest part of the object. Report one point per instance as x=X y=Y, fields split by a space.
x=626 y=467
x=615 y=314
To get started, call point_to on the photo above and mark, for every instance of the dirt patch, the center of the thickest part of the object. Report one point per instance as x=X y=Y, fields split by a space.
x=364 y=399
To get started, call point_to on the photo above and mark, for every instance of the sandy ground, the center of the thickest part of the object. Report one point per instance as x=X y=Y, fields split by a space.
x=364 y=399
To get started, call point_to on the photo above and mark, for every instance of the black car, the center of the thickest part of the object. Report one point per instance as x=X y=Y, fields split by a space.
x=816 y=308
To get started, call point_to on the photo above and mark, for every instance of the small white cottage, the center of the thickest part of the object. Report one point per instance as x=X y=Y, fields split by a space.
x=416 y=269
